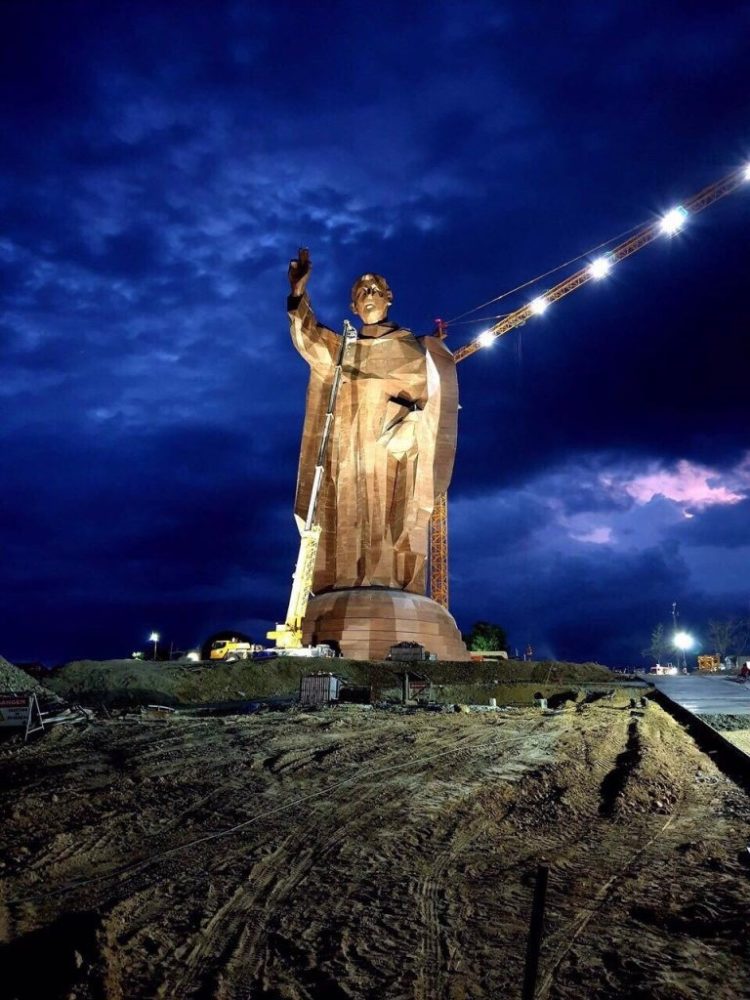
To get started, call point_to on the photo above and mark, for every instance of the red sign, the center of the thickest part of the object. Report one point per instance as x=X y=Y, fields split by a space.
x=13 y=701
x=14 y=710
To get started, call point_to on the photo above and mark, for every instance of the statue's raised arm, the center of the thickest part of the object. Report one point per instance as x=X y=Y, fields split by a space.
x=299 y=272
x=316 y=343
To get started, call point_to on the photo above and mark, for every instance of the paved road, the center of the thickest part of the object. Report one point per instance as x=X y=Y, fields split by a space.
x=712 y=695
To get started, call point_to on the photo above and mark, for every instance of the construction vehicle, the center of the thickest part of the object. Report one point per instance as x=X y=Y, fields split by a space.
x=322 y=649
x=288 y=634
x=232 y=649
x=407 y=652
x=709 y=664
x=664 y=670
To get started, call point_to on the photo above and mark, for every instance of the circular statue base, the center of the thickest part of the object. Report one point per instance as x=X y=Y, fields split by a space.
x=367 y=621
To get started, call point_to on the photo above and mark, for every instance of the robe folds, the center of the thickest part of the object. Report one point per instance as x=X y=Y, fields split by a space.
x=390 y=453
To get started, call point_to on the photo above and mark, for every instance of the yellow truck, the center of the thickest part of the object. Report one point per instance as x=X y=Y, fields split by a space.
x=709 y=664
x=230 y=650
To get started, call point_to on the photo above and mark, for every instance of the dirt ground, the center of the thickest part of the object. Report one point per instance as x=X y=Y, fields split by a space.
x=353 y=853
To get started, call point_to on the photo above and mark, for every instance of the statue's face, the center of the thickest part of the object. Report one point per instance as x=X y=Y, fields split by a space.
x=371 y=301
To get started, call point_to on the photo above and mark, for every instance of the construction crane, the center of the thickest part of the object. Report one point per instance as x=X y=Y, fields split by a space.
x=288 y=634
x=668 y=225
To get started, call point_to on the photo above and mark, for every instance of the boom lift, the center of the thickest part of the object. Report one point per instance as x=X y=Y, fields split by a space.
x=288 y=635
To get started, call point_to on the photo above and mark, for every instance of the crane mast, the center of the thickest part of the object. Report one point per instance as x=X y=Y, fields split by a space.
x=288 y=634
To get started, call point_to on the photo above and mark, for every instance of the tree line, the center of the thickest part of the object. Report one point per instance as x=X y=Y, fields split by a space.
x=726 y=637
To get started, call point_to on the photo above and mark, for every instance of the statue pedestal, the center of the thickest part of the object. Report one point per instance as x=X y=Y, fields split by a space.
x=367 y=621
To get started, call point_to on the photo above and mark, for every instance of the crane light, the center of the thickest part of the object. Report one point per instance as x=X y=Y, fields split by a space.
x=673 y=220
x=600 y=267
x=486 y=338
x=538 y=305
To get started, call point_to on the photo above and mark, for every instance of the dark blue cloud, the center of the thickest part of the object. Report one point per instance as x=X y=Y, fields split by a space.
x=161 y=164
x=722 y=528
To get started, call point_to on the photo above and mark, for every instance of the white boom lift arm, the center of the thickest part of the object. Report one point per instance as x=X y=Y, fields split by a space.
x=288 y=635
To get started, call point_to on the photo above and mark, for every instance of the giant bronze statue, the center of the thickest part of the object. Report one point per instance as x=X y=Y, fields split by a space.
x=390 y=452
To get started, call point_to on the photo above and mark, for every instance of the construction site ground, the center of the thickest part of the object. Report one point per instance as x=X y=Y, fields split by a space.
x=363 y=853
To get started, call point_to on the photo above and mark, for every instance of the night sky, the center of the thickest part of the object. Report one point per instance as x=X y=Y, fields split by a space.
x=161 y=163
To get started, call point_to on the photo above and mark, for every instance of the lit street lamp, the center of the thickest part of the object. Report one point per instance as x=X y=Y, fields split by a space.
x=154 y=637
x=683 y=641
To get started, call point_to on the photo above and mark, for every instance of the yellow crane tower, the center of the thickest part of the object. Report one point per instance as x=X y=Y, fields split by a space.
x=668 y=225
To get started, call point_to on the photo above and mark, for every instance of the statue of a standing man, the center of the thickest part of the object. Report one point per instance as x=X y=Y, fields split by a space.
x=392 y=445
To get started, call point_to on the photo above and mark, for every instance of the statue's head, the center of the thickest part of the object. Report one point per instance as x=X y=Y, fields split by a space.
x=371 y=298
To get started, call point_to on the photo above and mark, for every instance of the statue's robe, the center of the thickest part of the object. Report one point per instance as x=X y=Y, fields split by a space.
x=390 y=453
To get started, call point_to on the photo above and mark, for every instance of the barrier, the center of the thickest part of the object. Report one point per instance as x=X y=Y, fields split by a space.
x=20 y=711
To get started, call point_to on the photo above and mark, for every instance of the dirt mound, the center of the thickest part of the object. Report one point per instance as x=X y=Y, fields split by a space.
x=18 y=681
x=140 y=682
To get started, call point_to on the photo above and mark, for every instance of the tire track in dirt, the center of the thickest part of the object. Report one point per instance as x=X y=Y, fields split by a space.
x=76 y=849
x=227 y=942
x=494 y=884
x=430 y=983
x=269 y=891
x=241 y=925
x=227 y=932
x=68 y=848
x=660 y=801
x=410 y=882
x=437 y=950
x=589 y=850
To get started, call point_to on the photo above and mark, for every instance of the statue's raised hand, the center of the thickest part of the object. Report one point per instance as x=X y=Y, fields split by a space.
x=299 y=271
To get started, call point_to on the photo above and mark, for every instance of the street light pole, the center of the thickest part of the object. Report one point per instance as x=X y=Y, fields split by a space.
x=154 y=637
x=683 y=642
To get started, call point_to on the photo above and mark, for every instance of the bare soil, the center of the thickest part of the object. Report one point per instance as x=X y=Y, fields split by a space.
x=361 y=854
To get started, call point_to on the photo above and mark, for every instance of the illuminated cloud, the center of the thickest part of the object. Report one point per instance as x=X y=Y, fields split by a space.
x=596 y=536
x=694 y=486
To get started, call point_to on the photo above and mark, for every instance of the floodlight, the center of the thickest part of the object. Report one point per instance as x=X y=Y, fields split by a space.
x=486 y=338
x=683 y=640
x=538 y=305
x=673 y=220
x=747 y=172
x=600 y=267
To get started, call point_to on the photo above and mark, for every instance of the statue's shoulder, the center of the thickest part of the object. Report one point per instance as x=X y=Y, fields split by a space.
x=436 y=347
